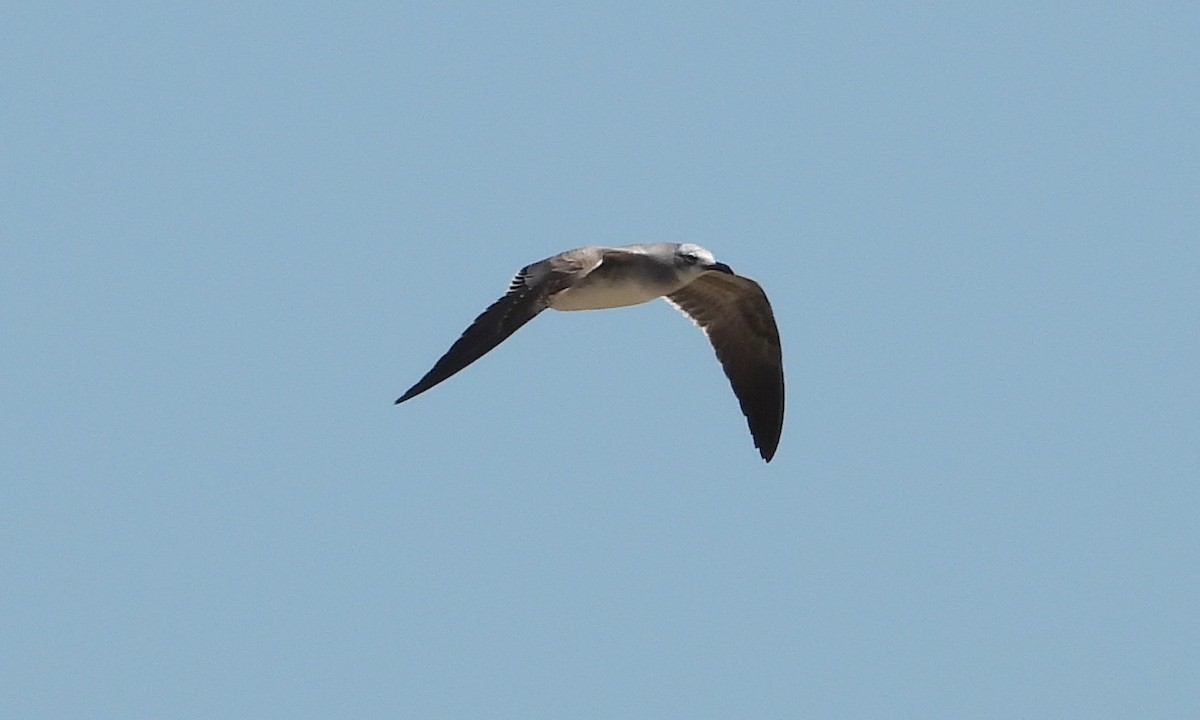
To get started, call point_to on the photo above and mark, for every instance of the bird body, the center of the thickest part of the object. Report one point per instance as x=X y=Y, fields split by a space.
x=627 y=275
x=732 y=310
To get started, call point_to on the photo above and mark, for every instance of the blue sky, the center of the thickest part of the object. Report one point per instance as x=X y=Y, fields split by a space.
x=234 y=234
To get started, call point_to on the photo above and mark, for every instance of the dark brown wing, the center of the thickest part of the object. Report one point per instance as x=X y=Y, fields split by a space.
x=528 y=294
x=735 y=314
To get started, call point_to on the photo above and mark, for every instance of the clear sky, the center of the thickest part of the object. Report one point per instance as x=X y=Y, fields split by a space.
x=234 y=233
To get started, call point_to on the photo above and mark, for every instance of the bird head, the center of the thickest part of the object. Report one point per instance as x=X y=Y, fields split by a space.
x=690 y=255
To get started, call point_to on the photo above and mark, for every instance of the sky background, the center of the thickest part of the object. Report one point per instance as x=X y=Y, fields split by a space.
x=233 y=234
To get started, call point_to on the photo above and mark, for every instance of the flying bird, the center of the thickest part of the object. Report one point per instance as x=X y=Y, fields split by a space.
x=731 y=309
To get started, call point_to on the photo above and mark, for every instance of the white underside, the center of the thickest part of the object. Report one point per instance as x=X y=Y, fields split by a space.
x=601 y=296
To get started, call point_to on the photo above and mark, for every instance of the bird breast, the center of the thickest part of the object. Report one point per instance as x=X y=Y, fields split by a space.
x=599 y=293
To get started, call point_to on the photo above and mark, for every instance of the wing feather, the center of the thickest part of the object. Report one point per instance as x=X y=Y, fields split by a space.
x=733 y=311
x=528 y=294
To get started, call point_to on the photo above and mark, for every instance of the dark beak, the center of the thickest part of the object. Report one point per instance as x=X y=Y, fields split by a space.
x=721 y=267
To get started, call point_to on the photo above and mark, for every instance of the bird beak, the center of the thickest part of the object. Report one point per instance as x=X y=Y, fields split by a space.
x=721 y=267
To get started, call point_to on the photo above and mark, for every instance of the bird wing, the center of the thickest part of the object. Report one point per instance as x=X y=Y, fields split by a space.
x=528 y=294
x=733 y=311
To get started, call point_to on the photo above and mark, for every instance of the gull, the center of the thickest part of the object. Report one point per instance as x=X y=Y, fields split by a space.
x=731 y=309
